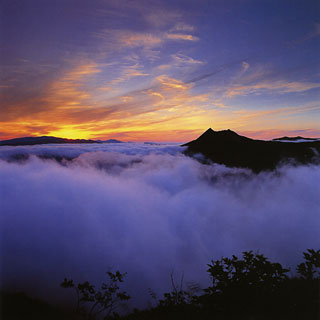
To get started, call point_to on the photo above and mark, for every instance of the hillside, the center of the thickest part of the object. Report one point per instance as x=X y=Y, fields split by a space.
x=42 y=140
x=228 y=148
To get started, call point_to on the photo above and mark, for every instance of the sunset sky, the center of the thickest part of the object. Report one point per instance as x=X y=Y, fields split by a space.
x=159 y=70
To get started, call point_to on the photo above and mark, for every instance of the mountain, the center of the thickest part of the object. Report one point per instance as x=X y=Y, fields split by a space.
x=110 y=141
x=228 y=148
x=298 y=138
x=41 y=140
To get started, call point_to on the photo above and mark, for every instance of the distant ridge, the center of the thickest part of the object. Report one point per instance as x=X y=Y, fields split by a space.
x=233 y=150
x=294 y=139
x=110 y=141
x=42 y=140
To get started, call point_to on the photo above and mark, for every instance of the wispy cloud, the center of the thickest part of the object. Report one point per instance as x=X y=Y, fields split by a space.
x=180 y=61
x=136 y=39
x=77 y=108
x=183 y=27
x=161 y=18
x=245 y=66
x=151 y=40
x=280 y=86
x=125 y=73
x=74 y=106
x=181 y=36
x=184 y=59
x=314 y=32
x=68 y=92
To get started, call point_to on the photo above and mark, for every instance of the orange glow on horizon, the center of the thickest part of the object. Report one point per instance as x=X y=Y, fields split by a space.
x=169 y=110
x=156 y=133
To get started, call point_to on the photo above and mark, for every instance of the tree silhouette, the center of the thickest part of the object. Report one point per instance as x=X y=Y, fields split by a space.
x=245 y=285
x=310 y=269
x=92 y=302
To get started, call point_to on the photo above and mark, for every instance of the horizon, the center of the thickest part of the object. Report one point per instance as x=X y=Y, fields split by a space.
x=161 y=141
x=159 y=70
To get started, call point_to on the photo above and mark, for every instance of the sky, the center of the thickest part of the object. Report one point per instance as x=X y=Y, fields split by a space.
x=159 y=70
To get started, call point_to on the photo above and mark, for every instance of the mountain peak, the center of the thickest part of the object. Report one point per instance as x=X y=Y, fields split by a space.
x=225 y=136
x=233 y=150
x=211 y=131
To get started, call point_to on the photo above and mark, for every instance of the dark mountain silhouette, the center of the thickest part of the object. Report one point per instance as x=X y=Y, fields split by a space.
x=110 y=141
x=294 y=139
x=42 y=140
x=228 y=148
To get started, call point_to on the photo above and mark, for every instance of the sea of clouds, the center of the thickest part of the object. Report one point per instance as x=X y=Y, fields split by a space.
x=144 y=209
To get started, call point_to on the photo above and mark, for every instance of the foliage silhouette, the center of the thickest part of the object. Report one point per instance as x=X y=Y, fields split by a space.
x=250 y=287
x=243 y=284
x=178 y=296
x=311 y=266
x=102 y=301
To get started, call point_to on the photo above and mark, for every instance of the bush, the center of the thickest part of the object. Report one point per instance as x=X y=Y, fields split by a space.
x=310 y=269
x=92 y=302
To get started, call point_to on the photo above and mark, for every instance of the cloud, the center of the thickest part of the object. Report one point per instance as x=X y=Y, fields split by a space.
x=167 y=109
x=64 y=91
x=313 y=33
x=161 y=18
x=151 y=40
x=92 y=99
x=67 y=92
x=146 y=210
x=180 y=36
x=75 y=108
x=245 y=66
x=181 y=59
x=136 y=39
x=125 y=72
x=180 y=26
x=281 y=86
x=180 y=62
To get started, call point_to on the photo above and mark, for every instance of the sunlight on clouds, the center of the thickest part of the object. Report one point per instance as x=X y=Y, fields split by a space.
x=126 y=98
x=179 y=36
x=157 y=69
x=170 y=83
x=81 y=71
x=16 y=129
x=122 y=74
x=169 y=109
x=181 y=62
x=68 y=91
x=91 y=100
x=136 y=39
x=71 y=132
x=157 y=94
x=150 y=40
x=184 y=59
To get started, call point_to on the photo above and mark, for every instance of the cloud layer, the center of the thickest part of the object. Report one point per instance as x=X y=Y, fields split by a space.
x=147 y=210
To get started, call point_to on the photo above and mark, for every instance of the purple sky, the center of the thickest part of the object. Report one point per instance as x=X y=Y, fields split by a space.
x=159 y=70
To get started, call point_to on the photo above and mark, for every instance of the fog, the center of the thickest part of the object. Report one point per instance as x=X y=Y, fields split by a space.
x=147 y=210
